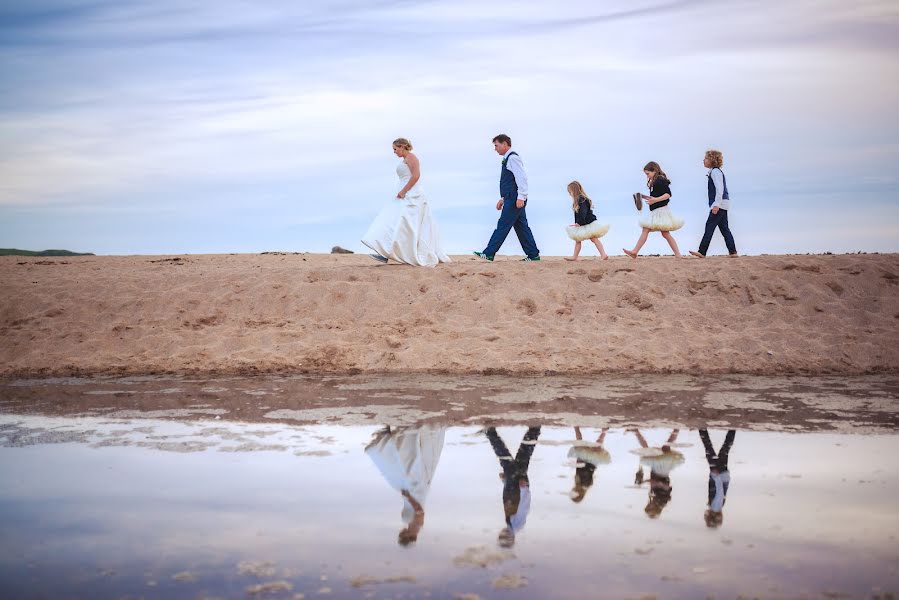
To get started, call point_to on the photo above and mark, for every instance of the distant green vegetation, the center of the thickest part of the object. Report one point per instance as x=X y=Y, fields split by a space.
x=17 y=252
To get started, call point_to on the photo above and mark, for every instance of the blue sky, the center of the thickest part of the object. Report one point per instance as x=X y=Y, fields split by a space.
x=144 y=127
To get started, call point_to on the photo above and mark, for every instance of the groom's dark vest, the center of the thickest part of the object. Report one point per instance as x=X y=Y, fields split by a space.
x=725 y=195
x=507 y=186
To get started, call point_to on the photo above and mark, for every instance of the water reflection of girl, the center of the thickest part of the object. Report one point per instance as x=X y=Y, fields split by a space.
x=661 y=461
x=588 y=456
x=407 y=458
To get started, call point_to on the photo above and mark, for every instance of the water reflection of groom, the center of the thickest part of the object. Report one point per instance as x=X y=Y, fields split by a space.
x=516 y=486
x=719 y=476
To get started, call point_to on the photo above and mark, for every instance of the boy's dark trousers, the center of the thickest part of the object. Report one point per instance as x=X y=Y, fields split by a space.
x=514 y=470
x=716 y=460
x=717 y=221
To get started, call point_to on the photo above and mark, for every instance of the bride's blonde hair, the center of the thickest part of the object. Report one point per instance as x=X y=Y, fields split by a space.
x=402 y=143
x=576 y=191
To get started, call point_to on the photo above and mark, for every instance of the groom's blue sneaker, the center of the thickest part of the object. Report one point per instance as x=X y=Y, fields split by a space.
x=484 y=256
x=379 y=258
x=530 y=259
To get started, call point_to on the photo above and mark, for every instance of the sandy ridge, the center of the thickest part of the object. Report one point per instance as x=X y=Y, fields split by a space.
x=232 y=314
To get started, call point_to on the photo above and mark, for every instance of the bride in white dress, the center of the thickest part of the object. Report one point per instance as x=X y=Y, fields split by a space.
x=407 y=458
x=404 y=230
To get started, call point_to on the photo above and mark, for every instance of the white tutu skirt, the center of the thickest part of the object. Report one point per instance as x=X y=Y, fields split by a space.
x=590 y=452
x=659 y=461
x=587 y=232
x=662 y=219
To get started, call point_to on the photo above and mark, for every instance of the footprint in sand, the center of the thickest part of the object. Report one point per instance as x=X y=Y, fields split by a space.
x=528 y=306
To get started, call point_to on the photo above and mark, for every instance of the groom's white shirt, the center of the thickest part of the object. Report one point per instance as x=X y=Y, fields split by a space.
x=517 y=521
x=515 y=165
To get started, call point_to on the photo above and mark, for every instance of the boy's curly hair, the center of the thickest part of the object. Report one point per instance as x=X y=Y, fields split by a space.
x=715 y=157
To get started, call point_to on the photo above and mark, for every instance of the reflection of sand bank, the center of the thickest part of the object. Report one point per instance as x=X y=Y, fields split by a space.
x=394 y=414
x=761 y=403
x=246 y=314
x=167 y=436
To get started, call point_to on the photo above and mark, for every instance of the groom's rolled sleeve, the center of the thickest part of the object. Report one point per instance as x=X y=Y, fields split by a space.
x=515 y=165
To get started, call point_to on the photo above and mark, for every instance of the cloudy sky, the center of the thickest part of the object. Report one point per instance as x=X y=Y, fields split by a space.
x=173 y=126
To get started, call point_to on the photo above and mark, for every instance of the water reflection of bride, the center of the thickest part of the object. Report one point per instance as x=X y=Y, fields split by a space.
x=588 y=456
x=661 y=461
x=407 y=458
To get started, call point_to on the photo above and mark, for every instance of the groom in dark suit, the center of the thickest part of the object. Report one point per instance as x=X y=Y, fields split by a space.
x=516 y=485
x=513 y=190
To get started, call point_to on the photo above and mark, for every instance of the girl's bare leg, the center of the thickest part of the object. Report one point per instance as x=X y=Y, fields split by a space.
x=670 y=239
x=602 y=436
x=602 y=251
x=633 y=253
x=577 y=250
x=640 y=437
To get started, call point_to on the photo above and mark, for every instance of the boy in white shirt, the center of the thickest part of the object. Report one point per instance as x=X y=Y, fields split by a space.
x=719 y=204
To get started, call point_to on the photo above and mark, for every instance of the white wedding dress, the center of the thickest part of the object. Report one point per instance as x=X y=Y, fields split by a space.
x=404 y=230
x=407 y=458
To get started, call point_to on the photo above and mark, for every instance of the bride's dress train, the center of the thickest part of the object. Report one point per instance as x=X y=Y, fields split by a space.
x=404 y=230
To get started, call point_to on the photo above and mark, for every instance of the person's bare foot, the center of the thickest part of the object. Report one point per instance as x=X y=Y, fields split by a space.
x=697 y=254
x=734 y=255
x=606 y=257
x=570 y=258
x=630 y=253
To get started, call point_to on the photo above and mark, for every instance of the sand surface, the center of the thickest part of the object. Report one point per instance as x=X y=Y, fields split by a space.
x=307 y=313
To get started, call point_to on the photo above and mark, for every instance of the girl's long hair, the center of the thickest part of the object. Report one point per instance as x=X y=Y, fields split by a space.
x=576 y=191
x=653 y=167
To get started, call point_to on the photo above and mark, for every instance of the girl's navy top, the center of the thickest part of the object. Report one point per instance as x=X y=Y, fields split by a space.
x=584 y=214
x=660 y=187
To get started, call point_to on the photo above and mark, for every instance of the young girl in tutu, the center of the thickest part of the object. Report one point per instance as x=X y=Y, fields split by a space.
x=585 y=226
x=588 y=455
x=660 y=218
x=661 y=461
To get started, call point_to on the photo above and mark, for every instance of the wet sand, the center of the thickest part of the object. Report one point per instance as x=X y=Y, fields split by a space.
x=305 y=313
x=789 y=404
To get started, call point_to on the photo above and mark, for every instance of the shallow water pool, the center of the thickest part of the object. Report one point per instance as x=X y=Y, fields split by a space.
x=195 y=502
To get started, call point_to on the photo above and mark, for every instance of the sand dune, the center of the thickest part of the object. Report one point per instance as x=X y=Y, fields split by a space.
x=346 y=313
